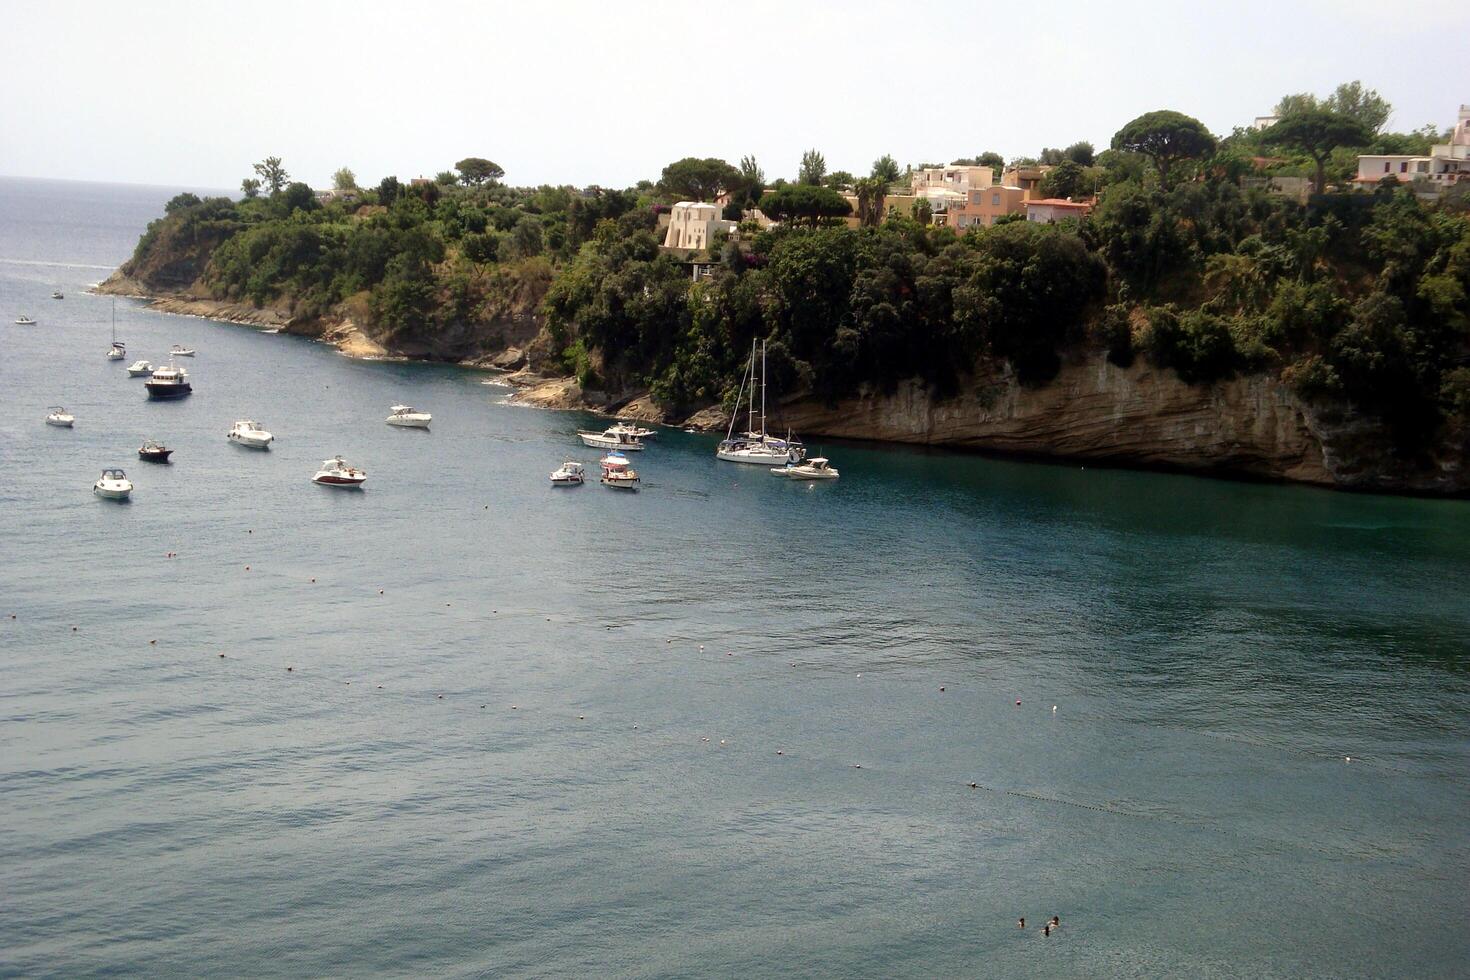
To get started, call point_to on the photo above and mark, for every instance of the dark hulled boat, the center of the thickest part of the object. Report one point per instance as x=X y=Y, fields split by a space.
x=168 y=382
x=153 y=452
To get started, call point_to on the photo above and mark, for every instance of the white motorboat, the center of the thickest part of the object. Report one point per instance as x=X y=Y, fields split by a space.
x=25 y=321
x=569 y=474
x=757 y=445
x=114 y=485
x=618 y=473
x=336 y=473
x=56 y=294
x=56 y=415
x=610 y=439
x=168 y=382
x=140 y=369
x=177 y=351
x=629 y=428
x=816 y=468
x=117 y=351
x=250 y=434
x=408 y=417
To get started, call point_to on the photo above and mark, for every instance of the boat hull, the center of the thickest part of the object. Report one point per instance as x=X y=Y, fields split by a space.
x=745 y=456
x=60 y=423
x=159 y=457
x=597 y=441
x=169 y=392
x=250 y=443
x=620 y=484
x=407 y=423
x=342 y=482
x=112 y=493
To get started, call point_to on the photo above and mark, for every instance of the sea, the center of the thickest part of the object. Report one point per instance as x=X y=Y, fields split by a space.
x=461 y=723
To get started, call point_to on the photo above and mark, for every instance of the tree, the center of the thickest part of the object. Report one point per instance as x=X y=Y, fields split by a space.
x=344 y=180
x=445 y=178
x=1051 y=156
x=813 y=168
x=838 y=179
x=871 y=192
x=752 y=176
x=388 y=190
x=250 y=187
x=1291 y=104
x=805 y=202
x=1165 y=137
x=1066 y=179
x=298 y=196
x=181 y=201
x=475 y=171
x=693 y=179
x=272 y=174
x=1317 y=132
x=885 y=168
x=1365 y=106
x=1080 y=152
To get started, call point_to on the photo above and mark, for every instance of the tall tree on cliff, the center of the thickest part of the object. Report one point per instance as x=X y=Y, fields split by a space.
x=813 y=168
x=885 y=168
x=693 y=179
x=474 y=171
x=1317 y=132
x=344 y=179
x=250 y=187
x=1165 y=137
x=272 y=173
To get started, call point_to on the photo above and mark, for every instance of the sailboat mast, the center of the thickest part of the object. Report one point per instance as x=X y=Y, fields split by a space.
x=114 y=319
x=763 y=390
x=750 y=415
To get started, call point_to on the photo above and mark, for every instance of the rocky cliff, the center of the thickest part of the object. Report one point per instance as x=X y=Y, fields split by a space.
x=1252 y=426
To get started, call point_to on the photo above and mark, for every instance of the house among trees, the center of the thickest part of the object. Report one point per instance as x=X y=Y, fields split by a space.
x=1446 y=164
x=1050 y=210
x=693 y=226
x=982 y=206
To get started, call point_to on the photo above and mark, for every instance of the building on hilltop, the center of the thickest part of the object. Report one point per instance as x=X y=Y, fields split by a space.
x=1050 y=210
x=983 y=205
x=942 y=186
x=1027 y=177
x=1446 y=164
x=693 y=226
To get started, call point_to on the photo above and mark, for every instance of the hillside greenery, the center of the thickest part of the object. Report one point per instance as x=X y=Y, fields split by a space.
x=1352 y=297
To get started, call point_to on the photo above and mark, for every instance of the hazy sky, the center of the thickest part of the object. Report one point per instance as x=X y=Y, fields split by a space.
x=191 y=93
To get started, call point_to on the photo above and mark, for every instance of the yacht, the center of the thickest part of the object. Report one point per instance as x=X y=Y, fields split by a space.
x=336 y=473
x=114 y=485
x=56 y=415
x=408 y=417
x=569 y=474
x=618 y=473
x=816 y=468
x=168 y=382
x=25 y=321
x=140 y=369
x=56 y=294
x=610 y=439
x=177 y=351
x=757 y=445
x=250 y=434
x=154 y=452
x=117 y=351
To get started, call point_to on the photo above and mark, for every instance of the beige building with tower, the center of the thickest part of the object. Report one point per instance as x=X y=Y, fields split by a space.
x=693 y=225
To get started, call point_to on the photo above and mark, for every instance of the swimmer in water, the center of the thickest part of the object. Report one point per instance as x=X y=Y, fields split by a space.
x=1023 y=922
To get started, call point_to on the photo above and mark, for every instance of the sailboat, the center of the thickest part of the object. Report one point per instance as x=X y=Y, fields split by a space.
x=118 y=350
x=757 y=445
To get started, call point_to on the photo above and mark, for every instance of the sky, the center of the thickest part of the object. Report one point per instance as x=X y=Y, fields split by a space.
x=563 y=92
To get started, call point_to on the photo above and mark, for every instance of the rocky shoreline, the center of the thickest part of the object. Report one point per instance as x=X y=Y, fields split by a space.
x=1251 y=427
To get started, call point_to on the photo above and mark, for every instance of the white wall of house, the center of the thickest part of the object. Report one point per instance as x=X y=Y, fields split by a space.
x=693 y=225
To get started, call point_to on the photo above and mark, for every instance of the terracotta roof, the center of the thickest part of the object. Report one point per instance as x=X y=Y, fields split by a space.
x=1057 y=202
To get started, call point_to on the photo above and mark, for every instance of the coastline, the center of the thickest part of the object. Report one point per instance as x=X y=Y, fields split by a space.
x=1250 y=427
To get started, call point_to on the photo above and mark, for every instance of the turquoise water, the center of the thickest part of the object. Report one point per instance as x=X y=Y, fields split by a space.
x=694 y=731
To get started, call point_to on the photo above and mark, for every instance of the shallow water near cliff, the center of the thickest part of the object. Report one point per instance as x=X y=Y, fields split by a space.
x=725 y=726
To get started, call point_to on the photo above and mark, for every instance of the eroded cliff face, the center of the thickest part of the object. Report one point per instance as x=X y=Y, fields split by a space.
x=1144 y=416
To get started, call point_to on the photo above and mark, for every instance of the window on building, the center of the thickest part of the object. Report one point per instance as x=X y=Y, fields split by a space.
x=995 y=200
x=1404 y=167
x=1386 y=165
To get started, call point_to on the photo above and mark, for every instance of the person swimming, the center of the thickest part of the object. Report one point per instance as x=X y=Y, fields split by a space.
x=1023 y=922
x=1046 y=929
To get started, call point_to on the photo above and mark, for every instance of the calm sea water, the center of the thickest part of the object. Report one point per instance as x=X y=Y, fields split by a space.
x=726 y=726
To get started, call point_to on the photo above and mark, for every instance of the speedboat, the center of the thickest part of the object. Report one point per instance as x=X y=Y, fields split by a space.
x=168 y=382
x=56 y=294
x=629 y=428
x=25 y=321
x=569 y=474
x=117 y=351
x=177 y=351
x=250 y=434
x=610 y=439
x=336 y=473
x=154 y=452
x=140 y=369
x=56 y=415
x=406 y=416
x=618 y=473
x=114 y=485
x=816 y=468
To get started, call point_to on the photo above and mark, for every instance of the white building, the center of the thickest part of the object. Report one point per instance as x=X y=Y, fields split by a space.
x=693 y=225
x=1445 y=164
x=942 y=186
